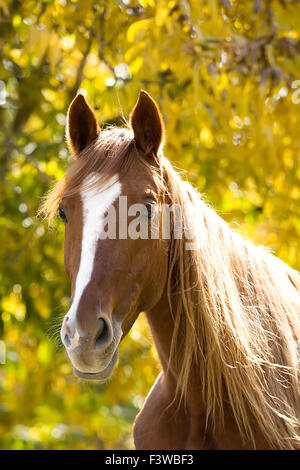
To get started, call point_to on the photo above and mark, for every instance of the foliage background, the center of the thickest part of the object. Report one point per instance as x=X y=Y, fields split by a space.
x=222 y=72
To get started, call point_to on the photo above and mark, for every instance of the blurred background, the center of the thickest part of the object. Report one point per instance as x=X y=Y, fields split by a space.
x=225 y=76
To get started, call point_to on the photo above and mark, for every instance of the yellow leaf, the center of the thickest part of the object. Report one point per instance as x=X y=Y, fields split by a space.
x=38 y=42
x=136 y=27
x=54 y=52
x=13 y=304
x=147 y=3
x=136 y=65
x=206 y=137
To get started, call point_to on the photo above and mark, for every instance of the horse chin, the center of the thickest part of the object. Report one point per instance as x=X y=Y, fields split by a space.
x=101 y=375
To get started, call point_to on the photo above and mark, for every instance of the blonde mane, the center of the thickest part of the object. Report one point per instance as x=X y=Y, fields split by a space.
x=236 y=307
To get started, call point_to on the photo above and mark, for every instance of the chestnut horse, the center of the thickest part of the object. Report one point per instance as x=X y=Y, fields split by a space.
x=223 y=312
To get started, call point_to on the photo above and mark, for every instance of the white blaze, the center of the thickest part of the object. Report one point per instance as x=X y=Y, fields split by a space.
x=95 y=202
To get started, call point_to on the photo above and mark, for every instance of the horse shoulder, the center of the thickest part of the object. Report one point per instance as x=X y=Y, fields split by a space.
x=151 y=424
x=160 y=425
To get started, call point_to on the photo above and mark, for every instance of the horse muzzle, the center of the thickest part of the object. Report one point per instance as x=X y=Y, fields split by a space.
x=102 y=375
x=93 y=354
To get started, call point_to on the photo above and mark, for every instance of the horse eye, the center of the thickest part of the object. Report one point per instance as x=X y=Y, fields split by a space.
x=62 y=214
x=150 y=210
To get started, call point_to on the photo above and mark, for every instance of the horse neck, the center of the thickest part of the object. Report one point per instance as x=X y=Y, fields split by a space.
x=161 y=324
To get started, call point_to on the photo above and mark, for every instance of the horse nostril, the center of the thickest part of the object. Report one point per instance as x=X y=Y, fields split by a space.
x=103 y=334
x=67 y=340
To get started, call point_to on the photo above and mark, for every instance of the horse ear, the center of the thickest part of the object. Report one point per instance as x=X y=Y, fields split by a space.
x=147 y=124
x=82 y=126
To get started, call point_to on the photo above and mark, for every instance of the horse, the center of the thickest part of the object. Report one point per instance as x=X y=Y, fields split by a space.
x=223 y=311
